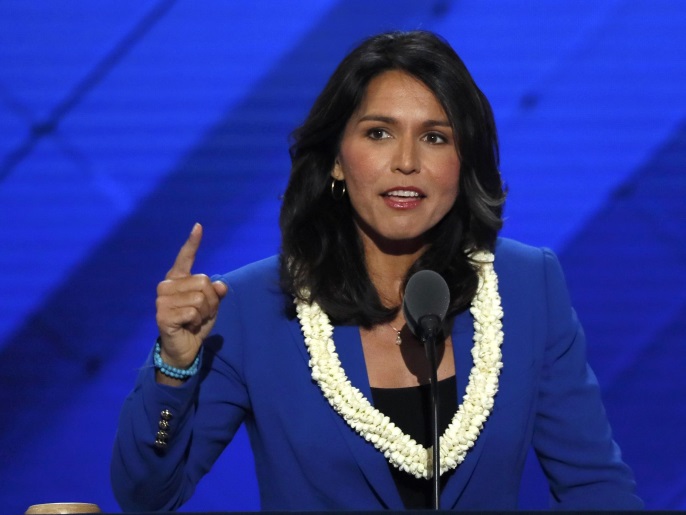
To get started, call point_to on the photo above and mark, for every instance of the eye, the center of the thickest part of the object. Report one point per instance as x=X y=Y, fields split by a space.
x=435 y=138
x=377 y=133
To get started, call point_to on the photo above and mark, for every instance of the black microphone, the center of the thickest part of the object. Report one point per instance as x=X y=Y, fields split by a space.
x=425 y=304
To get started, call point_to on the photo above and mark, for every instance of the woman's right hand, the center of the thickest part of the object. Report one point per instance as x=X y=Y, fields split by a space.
x=187 y=306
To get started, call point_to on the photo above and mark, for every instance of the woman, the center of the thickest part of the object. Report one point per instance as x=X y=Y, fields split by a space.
x=394 y=171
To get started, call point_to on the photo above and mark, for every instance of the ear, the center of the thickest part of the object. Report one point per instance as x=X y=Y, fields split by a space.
x=337 y=171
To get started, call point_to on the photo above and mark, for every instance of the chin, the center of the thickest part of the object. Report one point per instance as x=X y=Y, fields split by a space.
x=392 y=237
x=400 y=242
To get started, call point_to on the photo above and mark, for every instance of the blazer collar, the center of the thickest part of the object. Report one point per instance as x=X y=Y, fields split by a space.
x=372 y=463
x=463 y=340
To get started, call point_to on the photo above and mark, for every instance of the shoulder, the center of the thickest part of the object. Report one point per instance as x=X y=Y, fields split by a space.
x=255 y=286
x=515 y=259
x=527 y=271
x=509 y=250
x=254 y=296
x=257 y=275
x=514 y=256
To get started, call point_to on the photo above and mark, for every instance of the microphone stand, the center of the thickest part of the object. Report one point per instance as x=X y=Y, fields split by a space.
x=431 y=325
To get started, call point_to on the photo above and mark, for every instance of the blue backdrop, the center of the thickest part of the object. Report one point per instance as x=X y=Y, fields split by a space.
x=124 y=122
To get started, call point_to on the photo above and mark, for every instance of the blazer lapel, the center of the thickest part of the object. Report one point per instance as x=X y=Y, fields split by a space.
x=463 y=340
x=371 y=462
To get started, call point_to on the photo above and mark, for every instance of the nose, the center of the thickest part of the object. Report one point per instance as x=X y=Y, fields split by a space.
x=406 y=157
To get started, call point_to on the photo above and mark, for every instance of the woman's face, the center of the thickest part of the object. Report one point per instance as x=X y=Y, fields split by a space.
x=399 y=161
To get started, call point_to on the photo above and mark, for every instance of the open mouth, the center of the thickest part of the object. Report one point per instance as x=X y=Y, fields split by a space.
x=403 y=194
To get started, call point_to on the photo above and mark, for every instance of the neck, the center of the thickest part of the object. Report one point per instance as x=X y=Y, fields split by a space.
x=387 y=265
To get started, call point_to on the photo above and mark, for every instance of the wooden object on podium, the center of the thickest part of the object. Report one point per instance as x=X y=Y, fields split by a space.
x=63 y=508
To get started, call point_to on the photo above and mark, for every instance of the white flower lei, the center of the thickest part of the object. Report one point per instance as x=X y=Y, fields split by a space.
x=399 y=449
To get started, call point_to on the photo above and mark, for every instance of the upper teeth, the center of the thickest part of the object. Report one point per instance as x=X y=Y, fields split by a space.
x=403 y=193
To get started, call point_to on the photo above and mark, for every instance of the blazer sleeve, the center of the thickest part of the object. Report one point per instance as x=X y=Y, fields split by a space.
x=572 y=436
x=206 y=411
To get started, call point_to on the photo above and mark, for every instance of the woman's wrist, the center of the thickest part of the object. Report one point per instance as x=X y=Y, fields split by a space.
x=178 y=373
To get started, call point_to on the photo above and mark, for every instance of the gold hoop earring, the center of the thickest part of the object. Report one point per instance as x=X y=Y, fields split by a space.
x=337 y=194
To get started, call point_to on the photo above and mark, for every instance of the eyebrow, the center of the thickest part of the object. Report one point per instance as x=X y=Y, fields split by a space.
x=391 y=121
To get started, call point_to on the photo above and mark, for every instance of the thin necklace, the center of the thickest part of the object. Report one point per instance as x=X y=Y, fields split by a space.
x=398 y=338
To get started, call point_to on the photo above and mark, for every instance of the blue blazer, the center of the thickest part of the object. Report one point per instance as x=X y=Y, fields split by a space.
x=255 y=371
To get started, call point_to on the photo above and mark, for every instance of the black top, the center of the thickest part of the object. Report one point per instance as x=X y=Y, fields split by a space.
x=410 y=410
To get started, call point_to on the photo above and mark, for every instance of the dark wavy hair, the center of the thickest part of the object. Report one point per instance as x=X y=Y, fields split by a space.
x=321 y=250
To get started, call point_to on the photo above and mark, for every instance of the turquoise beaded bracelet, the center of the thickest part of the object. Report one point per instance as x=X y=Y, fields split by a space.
x=169 y=371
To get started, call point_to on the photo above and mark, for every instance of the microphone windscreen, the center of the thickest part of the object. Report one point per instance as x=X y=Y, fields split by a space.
x=426 y=293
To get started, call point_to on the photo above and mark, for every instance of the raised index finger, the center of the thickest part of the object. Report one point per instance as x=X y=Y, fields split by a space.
x=186 y=256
